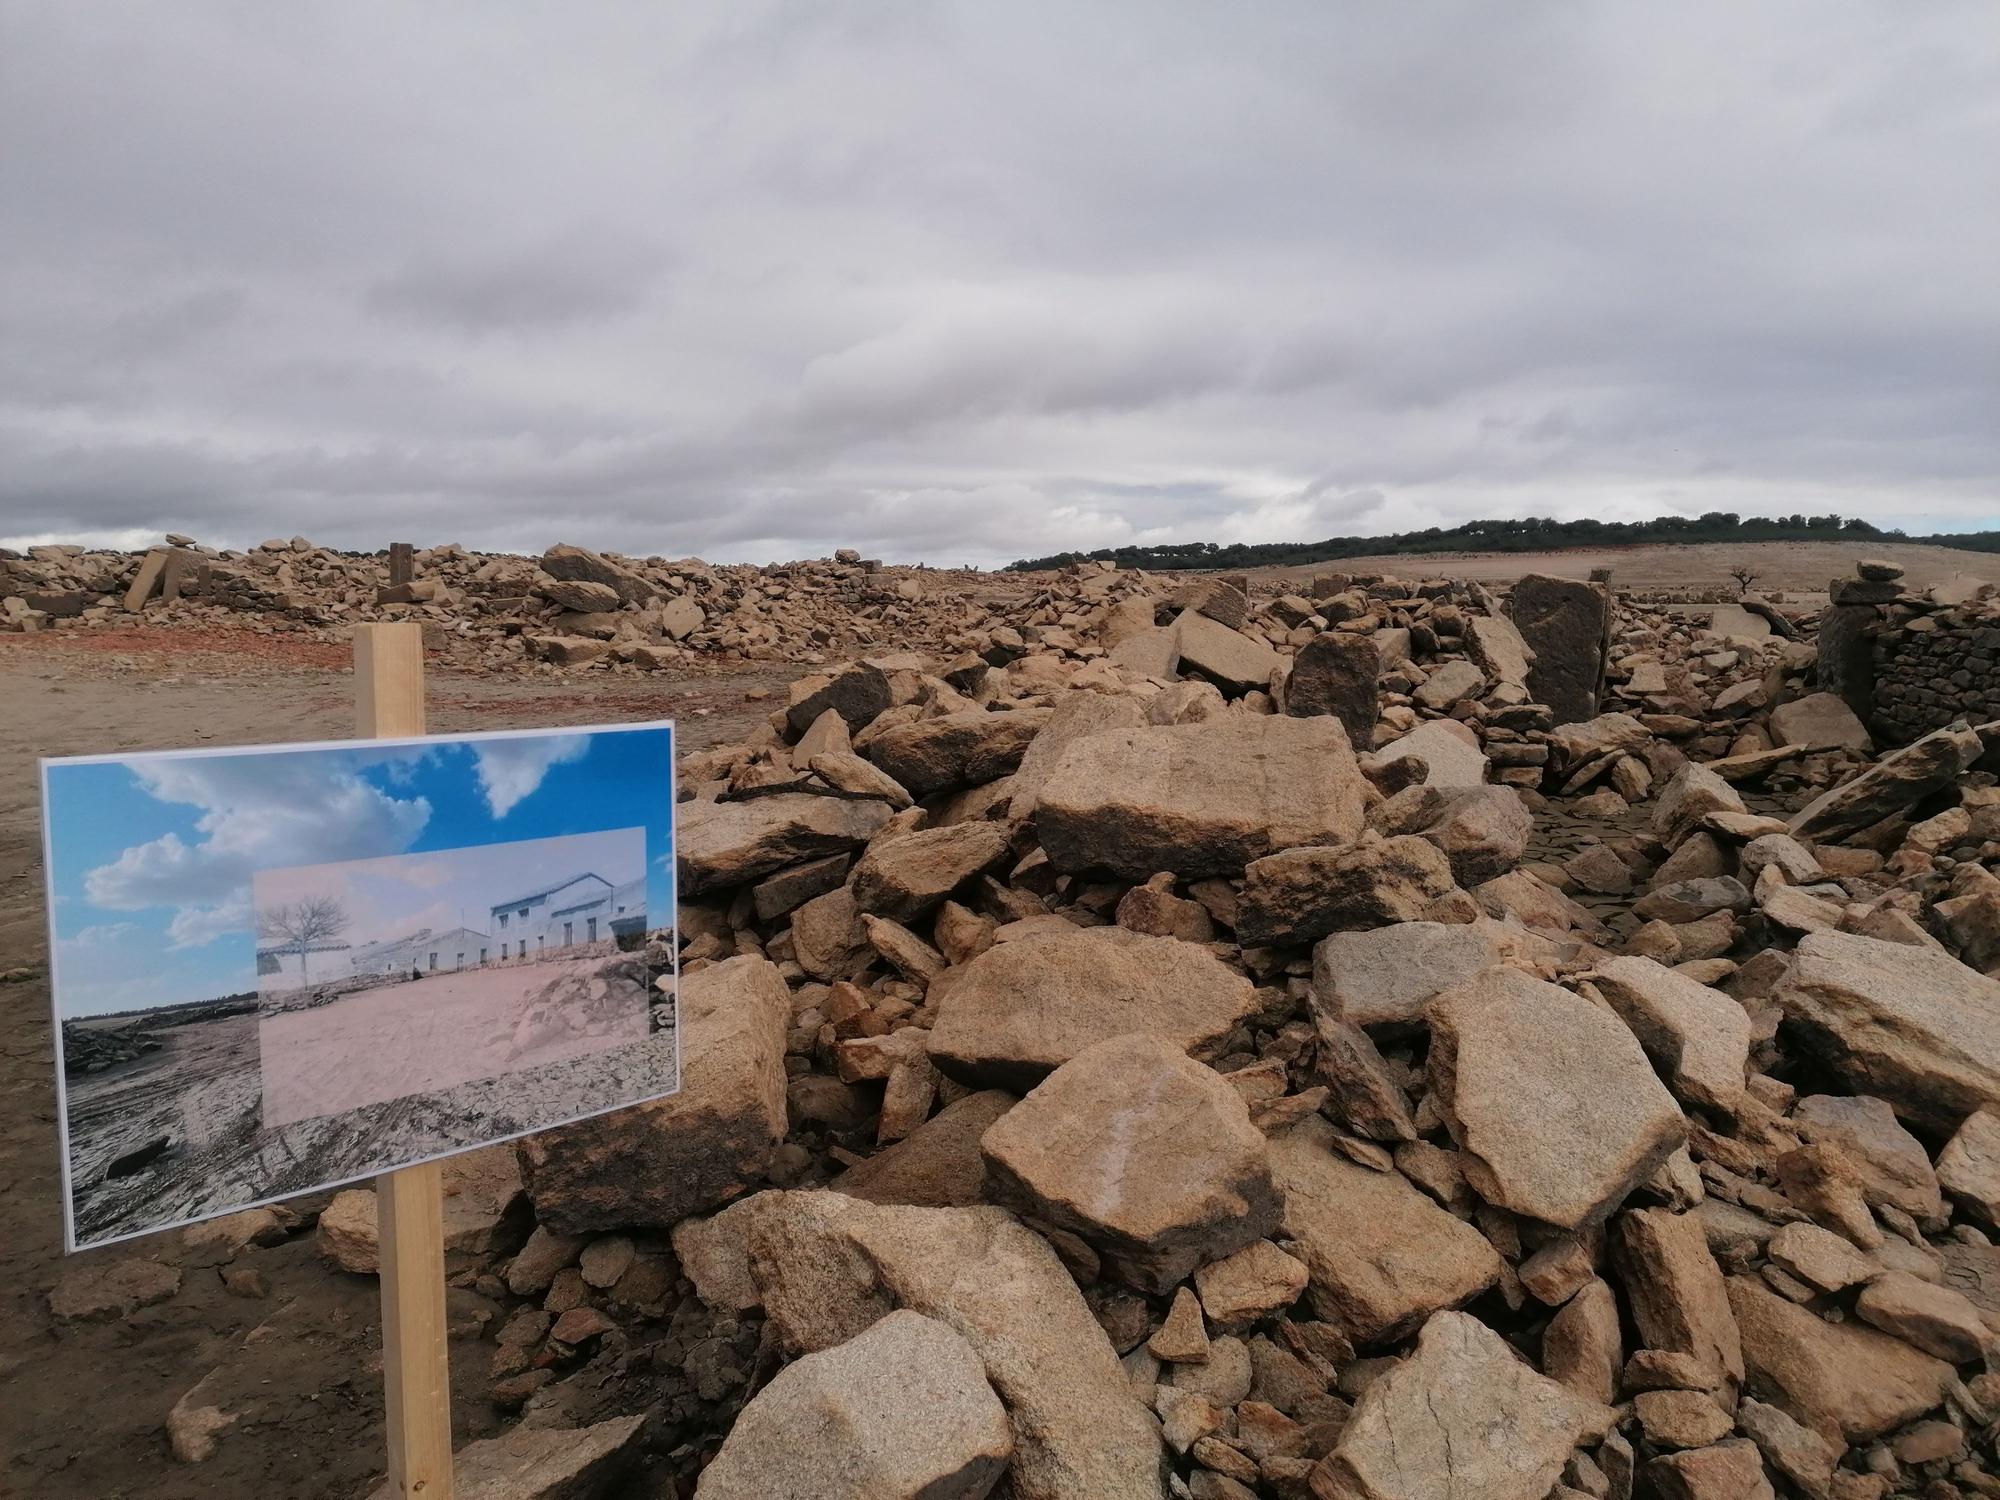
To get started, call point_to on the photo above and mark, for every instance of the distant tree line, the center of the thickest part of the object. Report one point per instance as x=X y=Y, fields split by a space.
x=1536 y=534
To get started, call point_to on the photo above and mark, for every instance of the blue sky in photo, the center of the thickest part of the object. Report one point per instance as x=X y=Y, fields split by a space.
x=152 y=857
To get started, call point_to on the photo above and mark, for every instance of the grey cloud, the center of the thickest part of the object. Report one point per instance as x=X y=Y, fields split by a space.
x=967 y=282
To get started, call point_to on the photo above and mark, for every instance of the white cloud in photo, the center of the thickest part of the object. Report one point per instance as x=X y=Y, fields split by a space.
x=256 y=812
x=511 y=770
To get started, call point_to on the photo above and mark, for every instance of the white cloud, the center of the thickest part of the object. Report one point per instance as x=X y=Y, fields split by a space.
x=510 y=770
x=257 y=812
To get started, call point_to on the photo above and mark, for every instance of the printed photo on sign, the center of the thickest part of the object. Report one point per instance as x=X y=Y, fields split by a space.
x=278 y=970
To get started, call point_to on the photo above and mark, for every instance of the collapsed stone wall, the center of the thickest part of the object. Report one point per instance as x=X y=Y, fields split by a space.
x=1933 y=669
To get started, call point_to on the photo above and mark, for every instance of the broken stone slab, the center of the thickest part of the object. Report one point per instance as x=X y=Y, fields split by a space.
x=1145 y=1154
x=720 y=845
x=954 y=750
x=1845 y=1381
x=1894 y=783
x=1910 y=1025
x=907 y=876
x=1022 y=1009
x=1226 y=657
x=579 y=563
x=937 y=1165
x=845 y=771
x=1200 y=799
x=1385 y=978
x=1723 y=1471
x=1449 y=751
x=1679 y=1301
x=1253 y=1283
x=97 y=1289
x=654 y=1164
x=1699 y=1037
x=1935 y=1319
x=1565 y=624
x=578 y=594
x=1464 y=1417
x=1336 y=673
x=1076 y=715
x=1550 y=1099
x=1496 y=645
x=1691 y=794
x=1819 y=721
x=1892 y=1165
x=1302 y=894
x=829 y=1266
x=900 y=1412
x=1969 y=1166
x=543 y=1463
x=1381 y=1254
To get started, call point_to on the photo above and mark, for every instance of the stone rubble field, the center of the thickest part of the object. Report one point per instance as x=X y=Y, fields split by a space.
x=1148 y=1040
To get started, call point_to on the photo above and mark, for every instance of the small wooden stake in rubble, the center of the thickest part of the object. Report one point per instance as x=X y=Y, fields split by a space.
x=416 y=1368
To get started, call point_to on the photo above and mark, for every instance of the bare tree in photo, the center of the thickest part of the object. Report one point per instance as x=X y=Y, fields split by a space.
x=315 y=919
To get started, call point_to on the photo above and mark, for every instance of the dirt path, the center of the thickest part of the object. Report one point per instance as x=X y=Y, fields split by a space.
x=83 y=1406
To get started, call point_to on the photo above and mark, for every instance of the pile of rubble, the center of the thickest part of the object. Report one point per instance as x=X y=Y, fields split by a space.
x=1135 y=1054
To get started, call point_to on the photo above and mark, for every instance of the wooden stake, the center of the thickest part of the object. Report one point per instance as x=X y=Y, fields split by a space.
x=409 y=1203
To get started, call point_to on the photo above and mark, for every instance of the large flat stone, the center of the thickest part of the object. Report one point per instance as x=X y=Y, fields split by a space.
x=1200 y=799
x=1076 y=715
x=1565 y=623
x=654 y=1164
x=899 y=1412
x=1450 y=753
x=1846 y=1381
x=1910 y=1025
x=1552 y=1102
x=720 y=845
x=1382 y=1255
x=1819 y=721
x=1146 y=1154
x=1228 y=658
x=1022 y=1009
x=1698 y=1037
x=1386 y=978
x=1336 y=673
x=906 y=876
x=1889 y=786
x=1464 y=1418
x=1298 y=895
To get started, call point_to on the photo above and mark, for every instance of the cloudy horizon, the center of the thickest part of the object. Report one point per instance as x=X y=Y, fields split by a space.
x=965 y=284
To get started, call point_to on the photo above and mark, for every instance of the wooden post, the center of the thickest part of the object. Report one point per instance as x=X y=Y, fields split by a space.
x=409 y=1203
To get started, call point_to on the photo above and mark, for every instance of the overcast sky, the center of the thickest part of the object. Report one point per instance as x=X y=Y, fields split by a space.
x=967 y=282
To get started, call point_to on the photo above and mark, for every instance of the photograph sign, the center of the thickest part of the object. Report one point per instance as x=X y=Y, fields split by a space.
x=282 y=969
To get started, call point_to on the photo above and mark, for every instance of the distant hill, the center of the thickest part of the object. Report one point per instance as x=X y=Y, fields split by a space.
x=1535 y=534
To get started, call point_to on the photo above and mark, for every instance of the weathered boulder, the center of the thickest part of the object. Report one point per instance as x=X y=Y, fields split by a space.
x=1448 y=684
x=1551 y=1100
x=1303 y=894
x=1891 y=1165
x=1483 y=831
x=906 y=876
x=1698 y=1037
x=1146 y=1154
x=1910 y=1025
x=578 y=594
x=654 y=1164
x=1846 y=1381
x=1464 y=1418
x=827 y=1267
x=1722 y=1471
x=1381 y=1254
x=857 y=691
x=1450 y=753
x=723 y=844
x=1022 y=1009
x=963 y=749
x=1691 y=794
x=1076 y=715
x=583 y=565
x=1228 y=658
x=1385 y=978
x=1819 y=721
x=1892 y=784
x=845 y=771
x=1565 y=623
x=900 y=1412
x=1336 y=673
x=1200 y=799
x=1969 y=1166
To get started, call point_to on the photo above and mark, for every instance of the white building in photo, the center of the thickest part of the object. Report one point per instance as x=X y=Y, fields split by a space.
x=585 y=908
x=284 y=967
x=425 y=951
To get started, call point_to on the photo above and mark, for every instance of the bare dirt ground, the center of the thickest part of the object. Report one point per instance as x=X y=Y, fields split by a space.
x=83 y=1406
x=1794 y=567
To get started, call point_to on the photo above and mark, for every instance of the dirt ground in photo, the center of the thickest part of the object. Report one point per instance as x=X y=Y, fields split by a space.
x=419 y=1037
